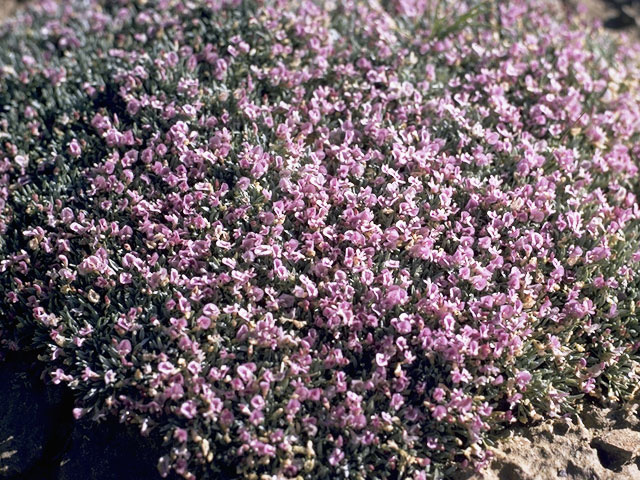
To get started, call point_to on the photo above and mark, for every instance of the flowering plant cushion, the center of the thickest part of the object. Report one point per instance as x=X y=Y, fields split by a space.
x=320 y=239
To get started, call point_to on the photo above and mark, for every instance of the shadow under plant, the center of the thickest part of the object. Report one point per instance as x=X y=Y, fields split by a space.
x=39 y=440
x=619 y=15
x=627 y=14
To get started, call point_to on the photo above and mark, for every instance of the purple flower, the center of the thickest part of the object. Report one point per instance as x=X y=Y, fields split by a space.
x=188 y=409
x=75 y=150
x=257 y=402
x=396 y=295
x=336 y=457
x=523 y=378
x=439 y=412
x=124 y=347
x=396 y=401
x=402 y=324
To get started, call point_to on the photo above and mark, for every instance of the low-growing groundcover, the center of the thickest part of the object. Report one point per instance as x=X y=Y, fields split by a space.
x=330 y=239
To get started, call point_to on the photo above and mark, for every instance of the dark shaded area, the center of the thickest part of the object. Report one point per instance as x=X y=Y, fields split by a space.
x=39 y=439
x=510 y=472
x=625 y=14
x=109 y=451
x=621 y=15
x=610 y=456
x=109 y=99
x=628 y=12
x=36 y=420
x=560 y=428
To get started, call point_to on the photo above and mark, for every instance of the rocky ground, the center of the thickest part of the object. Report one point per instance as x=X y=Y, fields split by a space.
x=7 y=7
x=599 y=444
x=39 y=440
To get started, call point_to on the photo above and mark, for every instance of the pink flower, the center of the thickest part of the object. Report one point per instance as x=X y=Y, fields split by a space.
x=438 y=394
x=479 y=282
x=245 y=372
x=492 y=137
x=226 y=417
x=256 y=417
x=124 y=347
x=75 y=150
x=439 y=412
x=88 y=374
x=257 y=402
x=402 y=324
x=396 y=295
x=396 y=401
x=59 y=376
x=22 y=161
x=67 y=215
x=336 y=457
x=92 y=264
x=188 y=409
x=125 y=278
x=165 y=368
x=589 y=386
x=180 y=434
x=210 y=310
x=203 y=322
x=381 y=360
x=109 y=377
x=194 y=367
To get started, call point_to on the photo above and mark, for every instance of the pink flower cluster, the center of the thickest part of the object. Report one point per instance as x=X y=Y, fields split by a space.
x=322 y=239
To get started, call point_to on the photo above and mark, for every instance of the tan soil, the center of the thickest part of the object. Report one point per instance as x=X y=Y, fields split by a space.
x=599 y=444
x=7 y=7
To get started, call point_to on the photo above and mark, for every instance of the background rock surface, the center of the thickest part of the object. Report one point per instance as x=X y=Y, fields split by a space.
x=599 y=444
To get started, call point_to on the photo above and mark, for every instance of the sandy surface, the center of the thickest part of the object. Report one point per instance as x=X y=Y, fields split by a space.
x=599 y=444
x=7 y=7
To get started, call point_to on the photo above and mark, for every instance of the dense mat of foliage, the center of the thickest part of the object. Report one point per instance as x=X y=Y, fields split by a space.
x=320 y=239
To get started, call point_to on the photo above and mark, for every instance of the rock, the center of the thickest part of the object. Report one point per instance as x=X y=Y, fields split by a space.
x=627 y=416
x=617 y=447
x=594 y=417
x=511 y=470
x=7 y=7
x=567 y=450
